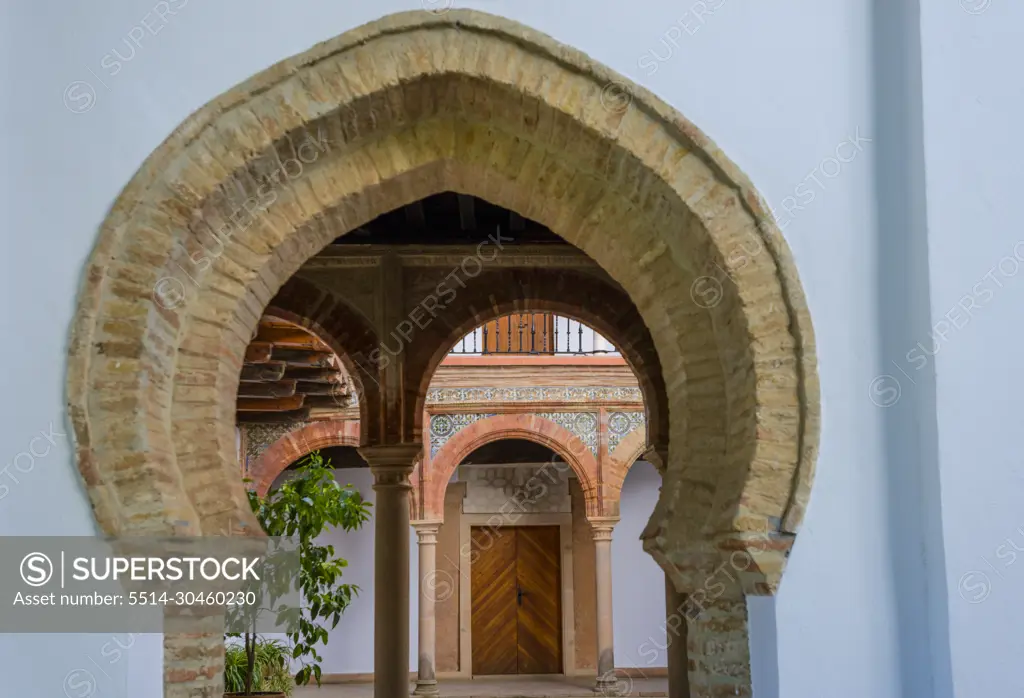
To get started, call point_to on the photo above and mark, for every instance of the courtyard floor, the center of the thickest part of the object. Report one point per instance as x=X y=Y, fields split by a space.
x=500 y=687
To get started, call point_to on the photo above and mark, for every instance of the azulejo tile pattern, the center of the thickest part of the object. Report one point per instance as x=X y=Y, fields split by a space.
x=620 y=424
x=259 y=437
x=582 y=424
x=542 y=393
x=444 y=426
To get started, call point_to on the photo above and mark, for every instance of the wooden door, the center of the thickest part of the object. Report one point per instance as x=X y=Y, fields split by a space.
x=492 y=586
x=540 y=600
x=516 y=612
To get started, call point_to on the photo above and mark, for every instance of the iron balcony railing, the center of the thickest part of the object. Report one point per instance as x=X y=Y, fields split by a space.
x=534 y=334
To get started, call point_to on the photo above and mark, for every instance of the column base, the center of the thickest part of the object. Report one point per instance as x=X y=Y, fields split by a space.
x=609 y=686
x=426 y=688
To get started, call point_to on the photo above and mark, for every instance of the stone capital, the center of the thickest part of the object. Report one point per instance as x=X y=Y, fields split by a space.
x=391 y=477
x=396 y=455
x=426 y=531
x=602 y=526
x=391 y=465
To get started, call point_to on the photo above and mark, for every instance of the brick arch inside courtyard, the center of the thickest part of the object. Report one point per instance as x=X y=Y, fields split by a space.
x=582 y=405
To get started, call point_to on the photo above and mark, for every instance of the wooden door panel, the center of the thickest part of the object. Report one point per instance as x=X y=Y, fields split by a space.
x=493 y=607
x=539 y=616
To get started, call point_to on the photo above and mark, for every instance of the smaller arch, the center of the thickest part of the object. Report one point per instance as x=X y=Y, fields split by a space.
x=346 y=332
x=438 y=470
x=628 y=452
x=295 y=444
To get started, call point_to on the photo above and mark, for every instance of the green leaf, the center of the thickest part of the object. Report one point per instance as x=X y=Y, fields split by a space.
x=307 y=505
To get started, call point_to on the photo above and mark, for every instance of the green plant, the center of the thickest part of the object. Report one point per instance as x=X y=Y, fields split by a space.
x=270 y=671
x=303 y=507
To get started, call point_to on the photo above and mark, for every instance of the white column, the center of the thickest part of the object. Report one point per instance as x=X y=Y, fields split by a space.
x=426 y=682
x=391 y=467
x=606 y=681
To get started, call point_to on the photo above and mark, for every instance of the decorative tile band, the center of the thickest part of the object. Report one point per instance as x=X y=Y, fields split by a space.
x=542 y=393
x=583 y=425
x=444 y=426
x=620 y=424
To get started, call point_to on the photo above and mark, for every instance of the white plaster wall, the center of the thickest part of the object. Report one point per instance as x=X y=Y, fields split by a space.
x=511 y=490
x=777 y=85
x=638 y=584
x=349 y=648
x=974 y=104
x=764 y=650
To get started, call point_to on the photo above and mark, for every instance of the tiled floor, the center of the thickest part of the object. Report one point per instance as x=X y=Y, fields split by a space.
x=554 y=687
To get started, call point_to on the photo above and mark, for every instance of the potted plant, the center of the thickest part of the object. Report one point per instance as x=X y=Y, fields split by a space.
x=268 y=675
x=302 y=508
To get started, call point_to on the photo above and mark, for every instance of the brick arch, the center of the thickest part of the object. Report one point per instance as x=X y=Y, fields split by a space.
x=478 y=105
x=530 y=427
x=595 y=302
x=626 y=218
x=346 y=331
x=295 y=444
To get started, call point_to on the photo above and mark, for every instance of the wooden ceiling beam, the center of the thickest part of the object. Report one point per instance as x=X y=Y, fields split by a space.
x=280 y=404
x=289 y=338
x=326 y=402
x=307 y=359
x=264 y=390
x=272 y=371
x=258 y=352
x=300 y=415
x=314 y=388
x=314 y=375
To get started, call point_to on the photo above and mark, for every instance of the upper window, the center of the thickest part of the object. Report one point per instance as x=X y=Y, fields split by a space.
x=534 y=334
